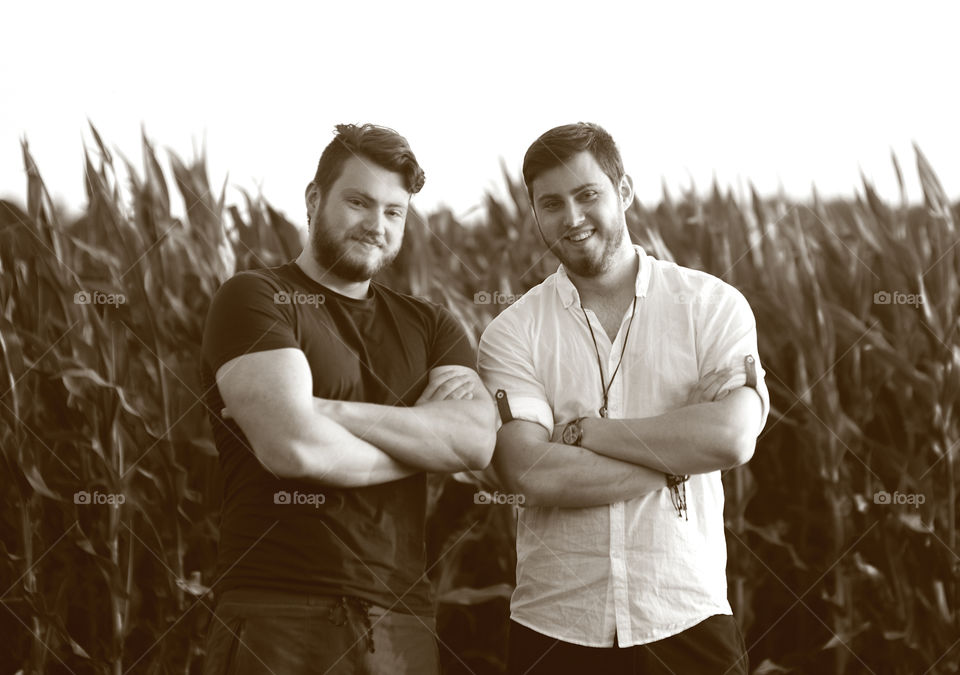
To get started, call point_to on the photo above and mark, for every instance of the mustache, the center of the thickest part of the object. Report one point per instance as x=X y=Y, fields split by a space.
x=370 y=237
x=576 y=230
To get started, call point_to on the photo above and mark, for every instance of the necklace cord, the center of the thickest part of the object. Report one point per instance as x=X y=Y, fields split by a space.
x=605 y=387
x=678 y=492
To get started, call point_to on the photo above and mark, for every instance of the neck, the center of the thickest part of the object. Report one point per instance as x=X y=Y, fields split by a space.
x=352 y=289
x=617 y=281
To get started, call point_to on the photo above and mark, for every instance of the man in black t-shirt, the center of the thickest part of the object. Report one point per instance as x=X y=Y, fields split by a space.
x=338 y=395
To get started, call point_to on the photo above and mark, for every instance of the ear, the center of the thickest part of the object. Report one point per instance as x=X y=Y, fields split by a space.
x=312 y=196
x=626 y=191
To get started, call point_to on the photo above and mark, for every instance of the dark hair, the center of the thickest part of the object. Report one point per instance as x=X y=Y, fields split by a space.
x=561 y=143
x=383 y=146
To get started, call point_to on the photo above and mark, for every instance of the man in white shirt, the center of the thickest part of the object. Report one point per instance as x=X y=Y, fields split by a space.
x=628 y=384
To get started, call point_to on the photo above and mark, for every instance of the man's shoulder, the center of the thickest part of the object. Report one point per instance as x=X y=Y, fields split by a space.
x=259 y=278
x=681 y=282
x=526 y=310
x=250 y=308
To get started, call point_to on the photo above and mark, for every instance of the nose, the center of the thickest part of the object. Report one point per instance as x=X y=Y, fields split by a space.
x=375 y=224
x=572 y=215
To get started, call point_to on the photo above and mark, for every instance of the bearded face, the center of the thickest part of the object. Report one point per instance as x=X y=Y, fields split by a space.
x=357 y=227
x=357 y=254
x=581 y=215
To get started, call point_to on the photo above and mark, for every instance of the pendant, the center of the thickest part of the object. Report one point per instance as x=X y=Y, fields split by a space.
x=603 y=411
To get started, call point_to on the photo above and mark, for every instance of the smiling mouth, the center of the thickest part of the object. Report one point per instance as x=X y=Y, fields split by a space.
x=580 y=236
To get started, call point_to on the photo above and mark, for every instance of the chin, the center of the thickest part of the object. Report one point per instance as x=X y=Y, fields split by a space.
x=358 y=270
x=586 y=268
x=593 y=266
x=361 y=268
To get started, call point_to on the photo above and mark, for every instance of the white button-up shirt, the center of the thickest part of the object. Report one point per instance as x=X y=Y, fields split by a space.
x=632 y=569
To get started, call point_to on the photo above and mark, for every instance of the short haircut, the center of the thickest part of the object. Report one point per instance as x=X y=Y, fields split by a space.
x=380 y=145
x=561 y=143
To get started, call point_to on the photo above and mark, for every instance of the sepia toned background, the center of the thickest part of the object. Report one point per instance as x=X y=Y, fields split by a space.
x=841 y=233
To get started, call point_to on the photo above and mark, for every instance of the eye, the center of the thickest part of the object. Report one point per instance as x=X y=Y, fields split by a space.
x=395 y=213
x=353 y=201
x=550 y=206
x=587 y=195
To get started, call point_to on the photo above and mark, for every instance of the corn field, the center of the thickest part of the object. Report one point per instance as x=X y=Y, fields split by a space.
x=842 y=530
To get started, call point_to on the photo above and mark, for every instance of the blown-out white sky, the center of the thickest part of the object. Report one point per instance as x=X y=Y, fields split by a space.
x=777 y=94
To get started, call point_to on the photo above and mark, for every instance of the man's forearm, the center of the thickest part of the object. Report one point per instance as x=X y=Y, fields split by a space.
x=695 y=439
x=326 y=452
x=571 y=477
x=441 y=436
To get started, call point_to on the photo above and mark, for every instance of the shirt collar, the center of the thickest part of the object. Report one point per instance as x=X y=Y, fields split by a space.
x=568 y=292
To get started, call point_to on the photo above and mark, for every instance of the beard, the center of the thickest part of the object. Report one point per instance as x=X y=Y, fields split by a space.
x=332 y=251
x=591 y=265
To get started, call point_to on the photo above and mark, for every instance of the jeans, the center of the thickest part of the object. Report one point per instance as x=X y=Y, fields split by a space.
x=713 y=647
x=281 y=633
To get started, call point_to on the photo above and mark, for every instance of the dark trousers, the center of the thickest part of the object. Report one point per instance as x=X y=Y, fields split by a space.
x=712 y=647
x=287 y=633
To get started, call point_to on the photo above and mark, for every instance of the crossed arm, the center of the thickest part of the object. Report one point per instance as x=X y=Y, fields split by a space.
x=698 y=438
x=626 y=458
x=345 y=444
x=549 y=473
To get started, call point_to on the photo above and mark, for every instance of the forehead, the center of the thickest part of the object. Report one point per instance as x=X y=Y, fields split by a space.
x=363 y=174
x=572 y=173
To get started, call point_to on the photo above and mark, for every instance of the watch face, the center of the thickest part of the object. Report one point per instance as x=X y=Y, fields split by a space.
x=571 y=433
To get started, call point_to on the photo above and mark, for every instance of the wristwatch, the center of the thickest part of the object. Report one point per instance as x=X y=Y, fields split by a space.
x=573 y=432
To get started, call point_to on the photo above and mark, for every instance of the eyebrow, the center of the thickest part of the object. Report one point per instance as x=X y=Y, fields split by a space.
x=370 y=198
x=574 y=191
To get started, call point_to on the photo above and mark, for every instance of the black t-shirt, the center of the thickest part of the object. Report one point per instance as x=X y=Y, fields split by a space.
x=368 y=541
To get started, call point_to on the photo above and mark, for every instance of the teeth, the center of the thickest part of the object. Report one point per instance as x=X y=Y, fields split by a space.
x=581 y=236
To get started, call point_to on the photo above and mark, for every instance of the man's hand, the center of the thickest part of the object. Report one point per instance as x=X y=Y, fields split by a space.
x=447 y=383
x=708 y=387
x=557 y=435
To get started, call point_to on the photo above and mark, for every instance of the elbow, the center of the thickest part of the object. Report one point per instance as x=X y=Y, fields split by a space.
x=521 y=485
x=477 y=454
x=739 y=449
x=481 y=440
x=283 y=459
x=484 y=447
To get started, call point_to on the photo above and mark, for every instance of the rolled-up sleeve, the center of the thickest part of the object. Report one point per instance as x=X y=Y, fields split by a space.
x=727 y=338
x=505 y=362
